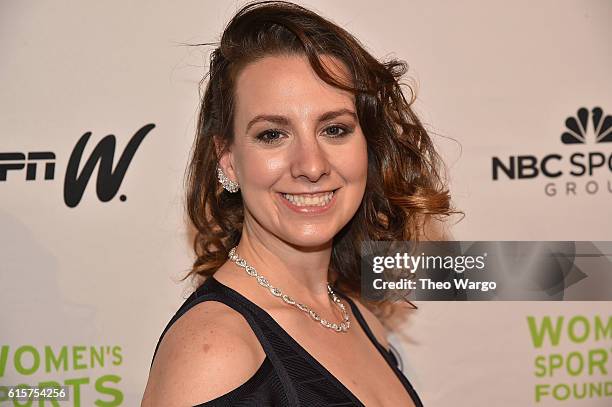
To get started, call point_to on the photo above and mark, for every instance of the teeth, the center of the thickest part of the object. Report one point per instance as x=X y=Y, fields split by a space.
x=309 y=199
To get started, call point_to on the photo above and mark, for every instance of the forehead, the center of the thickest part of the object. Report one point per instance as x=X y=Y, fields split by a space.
x=282 y=84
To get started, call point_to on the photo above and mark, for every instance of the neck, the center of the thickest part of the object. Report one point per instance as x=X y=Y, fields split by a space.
x=299 y=271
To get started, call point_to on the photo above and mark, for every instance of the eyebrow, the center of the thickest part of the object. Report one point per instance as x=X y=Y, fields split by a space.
x=283 y=120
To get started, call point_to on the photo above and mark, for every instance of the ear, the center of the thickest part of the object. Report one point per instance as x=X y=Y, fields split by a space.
x=226 y=158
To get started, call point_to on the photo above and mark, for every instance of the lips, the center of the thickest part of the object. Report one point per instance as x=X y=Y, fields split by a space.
x=320 y=199
x=309 y=202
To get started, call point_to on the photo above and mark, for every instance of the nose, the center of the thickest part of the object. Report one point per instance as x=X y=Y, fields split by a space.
x=309 y=160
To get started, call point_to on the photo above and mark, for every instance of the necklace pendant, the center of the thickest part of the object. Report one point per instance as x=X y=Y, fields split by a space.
x=277 y=292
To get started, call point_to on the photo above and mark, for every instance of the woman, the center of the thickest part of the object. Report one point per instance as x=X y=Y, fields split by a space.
x=305 y=147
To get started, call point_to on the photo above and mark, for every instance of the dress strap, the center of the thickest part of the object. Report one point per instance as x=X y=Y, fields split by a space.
x=213 y=290
x=387 y=355
x=362 y=321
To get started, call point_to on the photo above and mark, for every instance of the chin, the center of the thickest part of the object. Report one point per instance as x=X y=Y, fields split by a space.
x=312 y=242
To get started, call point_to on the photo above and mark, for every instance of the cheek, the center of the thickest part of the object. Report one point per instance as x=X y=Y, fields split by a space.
x=354 y=163
x=363 y=162
x=259 y=170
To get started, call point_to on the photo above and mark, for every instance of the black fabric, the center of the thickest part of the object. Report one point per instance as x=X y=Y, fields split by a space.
x=288 y=376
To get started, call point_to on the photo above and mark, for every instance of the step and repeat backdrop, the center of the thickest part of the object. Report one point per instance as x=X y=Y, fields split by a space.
x=98 y=104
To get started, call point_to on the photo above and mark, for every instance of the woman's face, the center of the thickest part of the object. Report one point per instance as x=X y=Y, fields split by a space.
x=299 y=154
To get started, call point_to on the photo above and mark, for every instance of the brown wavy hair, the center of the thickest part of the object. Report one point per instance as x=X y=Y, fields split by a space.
x=404 y=184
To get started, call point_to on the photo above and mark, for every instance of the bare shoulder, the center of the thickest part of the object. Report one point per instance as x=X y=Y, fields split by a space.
x=378 y=329
x=192 y=364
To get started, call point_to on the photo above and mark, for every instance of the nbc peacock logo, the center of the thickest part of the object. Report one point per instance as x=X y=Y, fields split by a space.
x=577 y=127
x=587 y=170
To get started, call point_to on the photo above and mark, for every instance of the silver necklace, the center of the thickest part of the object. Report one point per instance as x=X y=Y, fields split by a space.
x=277 y=292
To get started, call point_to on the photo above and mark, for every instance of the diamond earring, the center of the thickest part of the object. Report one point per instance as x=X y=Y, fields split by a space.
x=228 y=184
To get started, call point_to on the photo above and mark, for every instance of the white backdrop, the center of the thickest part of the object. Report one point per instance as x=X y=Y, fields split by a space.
x=93 y=285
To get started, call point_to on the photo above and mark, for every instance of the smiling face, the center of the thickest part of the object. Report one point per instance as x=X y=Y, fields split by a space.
x=299 y=153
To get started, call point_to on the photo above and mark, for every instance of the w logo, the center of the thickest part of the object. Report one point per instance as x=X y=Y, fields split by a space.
x=577 y=127
x=108 y=181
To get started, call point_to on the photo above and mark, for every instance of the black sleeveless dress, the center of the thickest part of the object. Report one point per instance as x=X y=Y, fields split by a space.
x=289 y=375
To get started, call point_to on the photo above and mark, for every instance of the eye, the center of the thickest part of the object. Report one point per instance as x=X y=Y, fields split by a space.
x=337 y=131
x=269 y=136
x=274 y=136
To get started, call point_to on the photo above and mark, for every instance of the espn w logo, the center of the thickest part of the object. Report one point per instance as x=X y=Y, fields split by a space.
x=108 y=180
